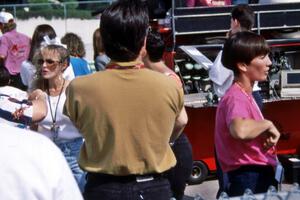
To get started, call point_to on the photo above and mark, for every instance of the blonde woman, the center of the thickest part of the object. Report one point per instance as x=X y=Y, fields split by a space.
x=51 y=61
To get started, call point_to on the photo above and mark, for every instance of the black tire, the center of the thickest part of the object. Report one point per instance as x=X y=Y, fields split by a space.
x=199 y=173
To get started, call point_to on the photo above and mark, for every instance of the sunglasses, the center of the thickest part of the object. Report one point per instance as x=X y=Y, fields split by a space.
x=47 y=61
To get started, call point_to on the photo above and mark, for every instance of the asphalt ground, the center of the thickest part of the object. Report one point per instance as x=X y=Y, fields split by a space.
x=208 y=190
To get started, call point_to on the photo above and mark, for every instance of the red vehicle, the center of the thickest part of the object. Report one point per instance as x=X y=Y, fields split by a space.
x=204 y=28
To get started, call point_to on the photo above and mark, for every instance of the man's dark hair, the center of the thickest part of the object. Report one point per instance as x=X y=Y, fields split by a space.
x=4 y=76
x=244 y=15
x=243 y=47
x=123 y=29
x=155 y=46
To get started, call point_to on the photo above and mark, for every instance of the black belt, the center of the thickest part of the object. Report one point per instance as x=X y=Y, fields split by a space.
x=253 y=168
x=99 y=177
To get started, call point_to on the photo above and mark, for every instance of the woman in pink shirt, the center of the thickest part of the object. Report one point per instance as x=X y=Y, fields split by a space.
x=245 y=141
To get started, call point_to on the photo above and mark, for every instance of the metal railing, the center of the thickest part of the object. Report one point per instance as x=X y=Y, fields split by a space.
x=65 y=7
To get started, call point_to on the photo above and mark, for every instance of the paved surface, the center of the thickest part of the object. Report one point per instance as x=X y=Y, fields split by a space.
x=208 y=190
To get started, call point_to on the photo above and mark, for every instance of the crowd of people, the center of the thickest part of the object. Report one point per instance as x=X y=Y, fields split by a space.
x=119 y=131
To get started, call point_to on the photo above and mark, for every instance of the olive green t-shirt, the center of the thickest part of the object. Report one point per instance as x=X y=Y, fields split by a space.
x=126 y=118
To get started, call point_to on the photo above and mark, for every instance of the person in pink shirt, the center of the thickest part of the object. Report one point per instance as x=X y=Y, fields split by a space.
x=193 y=3
x=245 y=141
x=14 y=48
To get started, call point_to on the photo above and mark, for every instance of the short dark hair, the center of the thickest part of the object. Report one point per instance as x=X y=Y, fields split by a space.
x=155 y=46
x=123 y=29
x=4 y=76
x=243 y=47
x=244 y=15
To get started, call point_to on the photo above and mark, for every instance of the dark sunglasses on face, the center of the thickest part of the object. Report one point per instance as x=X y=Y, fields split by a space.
x=47 y=61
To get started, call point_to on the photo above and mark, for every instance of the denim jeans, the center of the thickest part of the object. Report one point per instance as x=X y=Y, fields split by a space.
x=108 y=187
x=257 y=178
x=71 y=151
x=179 y=175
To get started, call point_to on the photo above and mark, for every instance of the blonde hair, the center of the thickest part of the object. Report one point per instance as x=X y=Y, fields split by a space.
x=64 y=56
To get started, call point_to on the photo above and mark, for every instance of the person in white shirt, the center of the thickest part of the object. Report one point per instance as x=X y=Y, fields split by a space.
x=33 y=168
x=16 y=108
x=242 y=19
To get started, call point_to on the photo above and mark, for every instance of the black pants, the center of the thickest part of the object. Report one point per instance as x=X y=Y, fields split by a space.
x=222 y=178
x=108 y=187
x=179 y=175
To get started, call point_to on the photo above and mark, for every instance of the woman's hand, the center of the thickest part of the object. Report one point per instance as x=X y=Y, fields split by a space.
x=37 y=94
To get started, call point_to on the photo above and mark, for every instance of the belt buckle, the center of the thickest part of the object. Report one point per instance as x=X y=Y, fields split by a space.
x=140 y=179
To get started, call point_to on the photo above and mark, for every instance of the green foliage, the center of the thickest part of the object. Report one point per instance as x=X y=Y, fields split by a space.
x=38 y=7
x=38 y=1
x=54 y=13
x=72 y=5
x=49 y=11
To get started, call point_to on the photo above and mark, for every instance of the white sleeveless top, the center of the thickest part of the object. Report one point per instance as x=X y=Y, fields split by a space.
x=67 y=131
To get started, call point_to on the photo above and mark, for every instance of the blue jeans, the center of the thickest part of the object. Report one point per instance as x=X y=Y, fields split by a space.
x=71 y=151
x=257 y=178
x=108 y=187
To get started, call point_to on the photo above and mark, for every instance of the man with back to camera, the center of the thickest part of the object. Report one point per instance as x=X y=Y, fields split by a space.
x=127 y=114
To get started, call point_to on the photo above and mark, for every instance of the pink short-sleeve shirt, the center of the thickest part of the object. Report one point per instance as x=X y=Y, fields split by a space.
x=14 y=48
x=233 y=153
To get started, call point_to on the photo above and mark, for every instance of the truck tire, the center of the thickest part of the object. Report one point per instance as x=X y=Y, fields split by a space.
x=199 y=173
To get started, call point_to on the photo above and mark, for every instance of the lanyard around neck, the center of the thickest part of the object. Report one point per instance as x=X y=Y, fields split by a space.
x=51 y=112
x=125 y=65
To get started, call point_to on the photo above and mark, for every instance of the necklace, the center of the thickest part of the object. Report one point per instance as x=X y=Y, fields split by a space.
x=54 y=126
x=250 y=98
